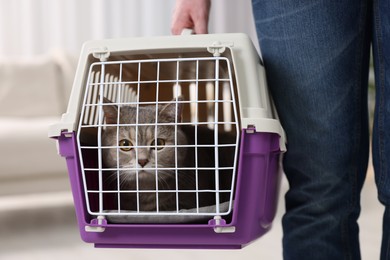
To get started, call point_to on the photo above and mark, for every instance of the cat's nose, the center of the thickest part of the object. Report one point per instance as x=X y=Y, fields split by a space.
x=143 y=162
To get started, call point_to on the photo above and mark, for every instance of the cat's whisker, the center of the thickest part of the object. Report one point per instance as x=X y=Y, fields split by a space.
x=163 y=177
x=111 y=178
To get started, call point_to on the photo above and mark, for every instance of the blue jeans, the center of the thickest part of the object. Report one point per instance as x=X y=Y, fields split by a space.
x=316 y=54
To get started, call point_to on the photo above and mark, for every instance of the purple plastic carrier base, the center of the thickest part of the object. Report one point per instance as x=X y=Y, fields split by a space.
x=254 y=208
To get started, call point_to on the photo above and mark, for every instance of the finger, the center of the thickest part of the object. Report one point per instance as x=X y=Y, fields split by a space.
x=201 y=27
x=179 y=24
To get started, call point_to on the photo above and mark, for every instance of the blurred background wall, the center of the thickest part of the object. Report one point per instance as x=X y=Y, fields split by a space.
x=30 y=27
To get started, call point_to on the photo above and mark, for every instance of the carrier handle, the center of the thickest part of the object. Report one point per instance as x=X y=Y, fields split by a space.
x=187 y=31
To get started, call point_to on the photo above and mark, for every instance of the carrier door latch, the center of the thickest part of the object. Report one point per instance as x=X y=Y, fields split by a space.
x=217 y=48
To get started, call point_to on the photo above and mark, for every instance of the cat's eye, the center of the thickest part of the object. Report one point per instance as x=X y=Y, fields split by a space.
x=160 y=143
x=125 y=145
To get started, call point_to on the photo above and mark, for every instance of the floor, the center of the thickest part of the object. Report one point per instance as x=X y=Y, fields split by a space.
x=42 y=227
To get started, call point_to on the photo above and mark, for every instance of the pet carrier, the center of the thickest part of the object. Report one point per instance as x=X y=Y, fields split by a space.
x=172 y=142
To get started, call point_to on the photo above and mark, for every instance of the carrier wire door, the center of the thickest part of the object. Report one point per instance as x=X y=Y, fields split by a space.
x=206 y=102
x=172 y=142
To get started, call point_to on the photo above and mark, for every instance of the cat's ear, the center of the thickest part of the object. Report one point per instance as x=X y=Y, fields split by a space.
x=172 y=110
x=110 y=111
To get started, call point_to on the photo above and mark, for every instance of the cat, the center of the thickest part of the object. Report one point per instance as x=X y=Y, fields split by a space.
x=157 y=156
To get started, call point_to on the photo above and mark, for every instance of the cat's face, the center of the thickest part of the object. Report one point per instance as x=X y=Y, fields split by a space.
x=145 y=149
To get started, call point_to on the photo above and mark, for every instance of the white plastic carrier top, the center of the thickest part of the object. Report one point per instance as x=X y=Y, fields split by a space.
x=255 y=107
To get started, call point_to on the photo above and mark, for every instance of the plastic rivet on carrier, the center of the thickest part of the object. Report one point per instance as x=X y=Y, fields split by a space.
x=216 y=49
x=172 y=143
x=100 y=53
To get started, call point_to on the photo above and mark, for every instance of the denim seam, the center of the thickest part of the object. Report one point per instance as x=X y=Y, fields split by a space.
x=380 y=87
x=358 y=100
x=380 y=69
x=387 y=254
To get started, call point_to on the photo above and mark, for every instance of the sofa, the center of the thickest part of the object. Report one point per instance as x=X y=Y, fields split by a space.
x=33 y=94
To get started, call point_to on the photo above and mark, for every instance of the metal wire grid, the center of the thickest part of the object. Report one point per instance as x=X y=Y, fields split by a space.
x=127 y=92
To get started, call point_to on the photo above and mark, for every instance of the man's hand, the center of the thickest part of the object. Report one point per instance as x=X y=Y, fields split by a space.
x=191 y=14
